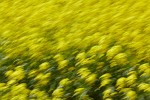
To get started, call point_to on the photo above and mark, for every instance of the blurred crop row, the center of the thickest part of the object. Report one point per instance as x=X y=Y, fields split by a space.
x=74 y=50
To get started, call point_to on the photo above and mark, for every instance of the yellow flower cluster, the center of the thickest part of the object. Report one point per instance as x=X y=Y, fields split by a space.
x=74 y=49
x=105 y=79
x=17 y=75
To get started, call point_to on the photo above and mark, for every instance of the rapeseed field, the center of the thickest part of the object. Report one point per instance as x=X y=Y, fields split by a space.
x=74 y=49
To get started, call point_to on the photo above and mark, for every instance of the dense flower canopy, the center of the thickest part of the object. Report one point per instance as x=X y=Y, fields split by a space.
x=75 y=50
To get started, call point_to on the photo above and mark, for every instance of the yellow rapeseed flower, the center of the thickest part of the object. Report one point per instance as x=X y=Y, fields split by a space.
x=121 y=58
x=64 y=82
x=17 y=75
x=105 y=82
x=62 y=64
x=91 y=78
x=33 y=73
x=59 y=57
x=105 y=76
x=9 y=72
x=94 y=50
x=107 y=93
x=121 y=82
x=81 y=56
x=78 y=91
x=59 y=92
x=143 y=67
x=113 y=51
x=11 y=82
x=131 y=95
x=44 y=66
x=84 y=74
x=131 y=79
x=143 y=86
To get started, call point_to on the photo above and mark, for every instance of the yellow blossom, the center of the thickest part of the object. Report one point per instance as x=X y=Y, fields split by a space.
x=105 y=76
x=91 y=78
x=94 y=49
x=84 y=74
x=9 y=72
x=59 y=92
x=44 y=66
x=33 y=73
x=113 y=51
x=58 y=57
x=131 y=95
x=62 y=64
x=144 y=67
x=143 y=86
x=121 y=58
x=81 y=56
x=79 y=91
x=11 y=82
x=131 y=79
x=121 y=82
x=105 y=82
x=107 y=93
x=64 y=82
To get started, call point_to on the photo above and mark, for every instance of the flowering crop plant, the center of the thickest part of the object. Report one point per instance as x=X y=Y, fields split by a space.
x=74 y=49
